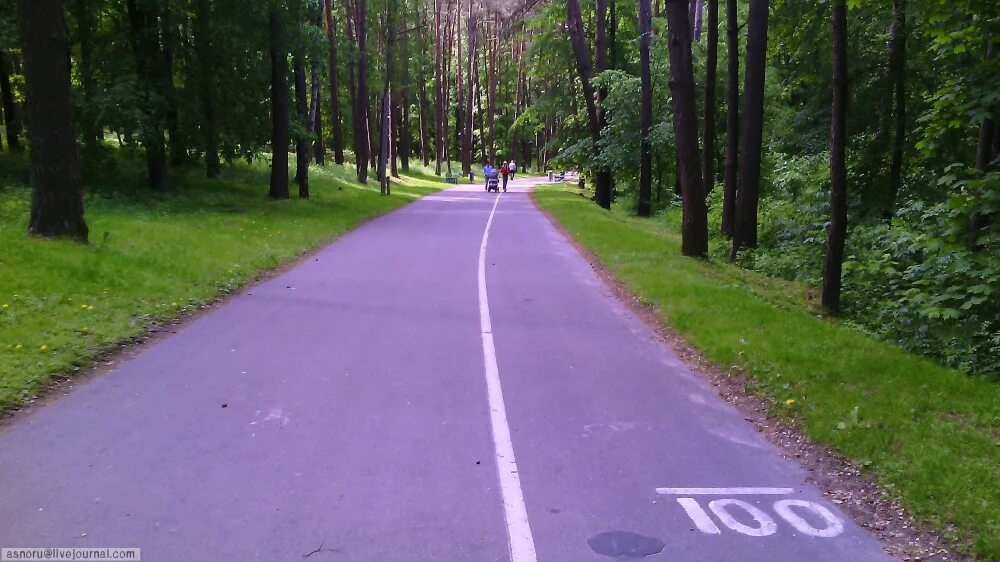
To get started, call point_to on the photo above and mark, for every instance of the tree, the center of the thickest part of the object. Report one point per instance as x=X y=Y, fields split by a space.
x=203 y=31
x=336 y=124
x=471 y=50
x=11 y=119
x=57 y=185
x=732 y=120
x=604 y=184
x=574 y=25
x=150 y=65
x=837 y=233
x=643 y=204
x=711 y=67
x=302 y=149
x=897 y=77
x=279 y=106
x=694 y=222
x=752 y=130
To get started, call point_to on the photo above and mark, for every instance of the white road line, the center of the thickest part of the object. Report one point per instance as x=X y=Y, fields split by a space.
x=724 y=491
x=522 y=545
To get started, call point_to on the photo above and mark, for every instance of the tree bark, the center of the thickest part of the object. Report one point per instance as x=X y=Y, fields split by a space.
x=56 y=182
x=574 y=25
x=838 y=167
x=752 y=130
x=361 y=145
x=91 y=129
x=206 y=85
x=438 y=91
x=694 y=222
x=470 y=51
x=732 y=119
x=302 y=149
x=643 y=203
x=336 y=122
x=897 y=72
x=279 y=106
x=422 y=101
x=143 y=25
x=603 y=179
x=708 y=121
x=12 y=120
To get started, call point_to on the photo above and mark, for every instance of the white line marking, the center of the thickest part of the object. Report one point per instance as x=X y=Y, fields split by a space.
x=522 y=545
x=724 y=491
x=698 y=516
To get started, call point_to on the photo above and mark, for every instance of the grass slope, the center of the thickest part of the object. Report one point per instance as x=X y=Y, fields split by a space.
x=930 y=434
x=154 y=257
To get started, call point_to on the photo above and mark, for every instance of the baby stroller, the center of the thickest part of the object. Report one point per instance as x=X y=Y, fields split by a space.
x=492 y=179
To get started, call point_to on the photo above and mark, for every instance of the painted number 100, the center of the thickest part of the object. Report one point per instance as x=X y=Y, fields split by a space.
x=731 y=511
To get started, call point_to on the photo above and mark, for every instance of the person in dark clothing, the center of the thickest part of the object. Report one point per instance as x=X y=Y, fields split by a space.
x=505 y=171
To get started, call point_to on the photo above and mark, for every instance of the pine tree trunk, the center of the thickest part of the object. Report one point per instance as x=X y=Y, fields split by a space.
x=694 y=222
x=168 y=31
x=91 y=130
x=144 y=29
x=57 y=186
x=708 y=122
x=336 y=122
x=897 y=68
x=362 y=145
x=316 y=117
x=574 y=25
x=467 y=136
x=732 y=120
x=279 y=107
x=752 y=130
x=438 y=91
x=643 y=203
x=302 y=149
x=422 y=103
x=838 y=166
x=12 y=120
x=604 y=180
x=206 y=85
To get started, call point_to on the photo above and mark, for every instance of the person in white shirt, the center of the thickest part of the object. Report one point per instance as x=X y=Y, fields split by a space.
x=513 y=169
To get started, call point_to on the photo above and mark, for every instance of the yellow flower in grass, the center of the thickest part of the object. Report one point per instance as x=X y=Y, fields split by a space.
x=5 y=306
x=789 y=402
x=42 y=347
x=18 y=346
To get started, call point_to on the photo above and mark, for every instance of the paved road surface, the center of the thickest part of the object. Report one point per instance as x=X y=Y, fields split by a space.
x=405 y=396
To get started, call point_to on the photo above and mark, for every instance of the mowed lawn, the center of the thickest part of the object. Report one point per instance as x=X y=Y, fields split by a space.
x=153 y=257
x=930 y=434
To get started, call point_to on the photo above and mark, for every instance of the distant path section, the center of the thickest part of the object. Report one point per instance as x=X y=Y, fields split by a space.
x=450 y=382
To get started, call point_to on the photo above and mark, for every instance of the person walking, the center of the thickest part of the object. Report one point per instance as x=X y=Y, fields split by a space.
x=513 y=169
x=505 y=171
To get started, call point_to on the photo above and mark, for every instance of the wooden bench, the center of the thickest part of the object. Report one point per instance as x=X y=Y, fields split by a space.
x=451 y=179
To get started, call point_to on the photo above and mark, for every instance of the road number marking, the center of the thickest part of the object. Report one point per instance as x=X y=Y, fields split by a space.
x=765 y=525
x=787 y=509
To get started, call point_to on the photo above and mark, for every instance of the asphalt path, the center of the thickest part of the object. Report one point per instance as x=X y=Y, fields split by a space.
x=449 y=382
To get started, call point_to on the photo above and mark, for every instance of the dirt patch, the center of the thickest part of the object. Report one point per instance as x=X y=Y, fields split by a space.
x=842 y=482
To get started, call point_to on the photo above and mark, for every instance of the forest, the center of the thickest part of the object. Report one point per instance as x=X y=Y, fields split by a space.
x=848 y=145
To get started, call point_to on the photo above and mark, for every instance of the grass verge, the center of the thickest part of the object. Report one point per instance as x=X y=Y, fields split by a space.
x=930 y=434
x=154 y=257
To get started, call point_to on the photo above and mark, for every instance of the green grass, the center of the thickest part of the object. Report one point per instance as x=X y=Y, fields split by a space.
x=931 y=435
x=153 y=257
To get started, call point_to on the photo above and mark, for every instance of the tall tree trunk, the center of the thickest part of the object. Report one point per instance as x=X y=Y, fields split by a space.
x=336 y=122
x=279 y=106
x=838 y=166
x=698 y=9
x=897 y=69
x=403 y=103
x=574 y=25
x=708 y=123
x=732 y=119
x=57 y=186
x=361 y=146
x=206 y=85
x=302 y=149
x=985 y=153
x=643 y=203
x=143 y=26
x=694 y=222
x=422 y=101
x=12 y=120
x=467 y=135
x=92 y=133
x=316 y=116
x=168 y=31
x=438 y=91
x=604 y=180
x=492 y=90
x=752 y=130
